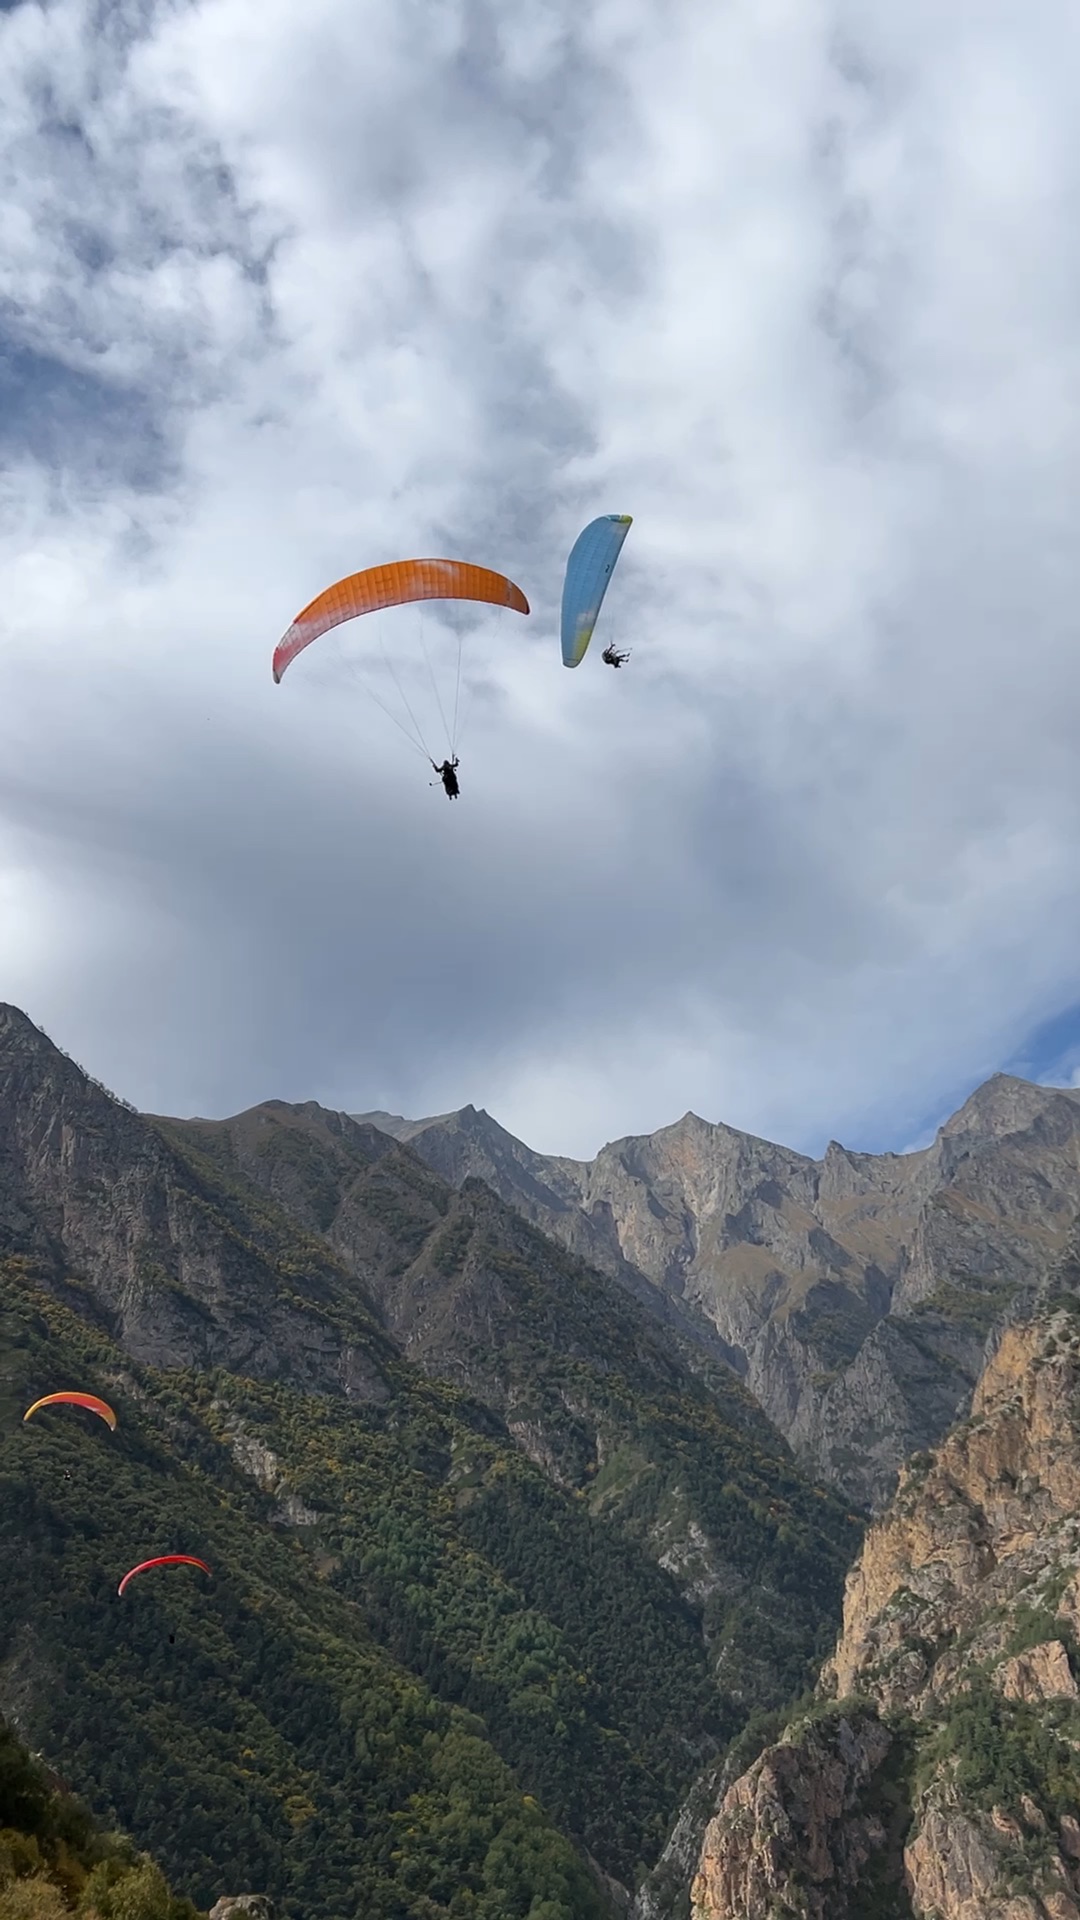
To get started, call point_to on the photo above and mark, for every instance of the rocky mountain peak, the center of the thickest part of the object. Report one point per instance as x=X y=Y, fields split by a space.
x=461 y=1120
x=1004 y=1105
x=120 y=1225
x=22 y=1043
x=14 y=1020
x=394 y=1124
x=856 y=1293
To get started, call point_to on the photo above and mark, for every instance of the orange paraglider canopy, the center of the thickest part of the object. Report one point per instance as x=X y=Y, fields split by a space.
x=392 y=586
x=89 y=1400
x=164 y=1560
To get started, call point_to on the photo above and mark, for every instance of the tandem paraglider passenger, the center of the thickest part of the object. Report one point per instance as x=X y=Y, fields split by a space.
x=613 y=657
x=448 y=775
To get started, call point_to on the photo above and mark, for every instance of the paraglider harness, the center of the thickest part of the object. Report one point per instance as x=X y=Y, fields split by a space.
x=612 y=655
x=448 y=775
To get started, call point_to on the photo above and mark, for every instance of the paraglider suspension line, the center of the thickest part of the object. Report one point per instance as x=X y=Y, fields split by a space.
x=405 y=703
x=435 y=687
x=414 y=743
x=457 y=697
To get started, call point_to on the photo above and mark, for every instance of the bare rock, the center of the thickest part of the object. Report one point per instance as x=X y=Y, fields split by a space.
x=794 y=1822
x=1043 y=1673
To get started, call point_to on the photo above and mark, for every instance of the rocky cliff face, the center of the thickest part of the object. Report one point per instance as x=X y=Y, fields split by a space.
x=177 y=1270
x=987 y=1524
x=938 y=1772
x=798 y=1827
x=855 y=1294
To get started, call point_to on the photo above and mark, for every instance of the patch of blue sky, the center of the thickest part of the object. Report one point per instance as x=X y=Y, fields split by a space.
x=1051 y=1053
x=68 y=419
x=1049 y=1056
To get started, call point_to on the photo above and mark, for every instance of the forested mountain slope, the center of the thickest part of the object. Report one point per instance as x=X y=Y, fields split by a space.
x=55 y=1862
x=682 y=1460
x=489 y=1560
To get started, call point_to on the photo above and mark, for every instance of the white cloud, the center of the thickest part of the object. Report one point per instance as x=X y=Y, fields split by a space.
x=796 y=286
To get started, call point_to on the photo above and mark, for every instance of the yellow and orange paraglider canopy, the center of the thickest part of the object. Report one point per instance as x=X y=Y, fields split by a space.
x=392 y=586
x=89 y=1400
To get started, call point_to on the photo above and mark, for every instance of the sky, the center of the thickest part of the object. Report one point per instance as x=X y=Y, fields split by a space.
x=286 y=292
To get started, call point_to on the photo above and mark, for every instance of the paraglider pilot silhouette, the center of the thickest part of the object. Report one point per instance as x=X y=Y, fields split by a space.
x=448 y=775
x=397 y=584
x=613 y=657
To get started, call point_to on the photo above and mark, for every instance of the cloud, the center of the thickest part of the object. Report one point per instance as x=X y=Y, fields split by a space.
x=288 y=294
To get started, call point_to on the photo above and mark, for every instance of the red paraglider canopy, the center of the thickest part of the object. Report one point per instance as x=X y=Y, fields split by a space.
x=164 y=1560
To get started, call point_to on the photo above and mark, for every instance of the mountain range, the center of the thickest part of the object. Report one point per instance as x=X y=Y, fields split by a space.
x=484 y=1538
x=529 y=1488
x=854 y=1294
